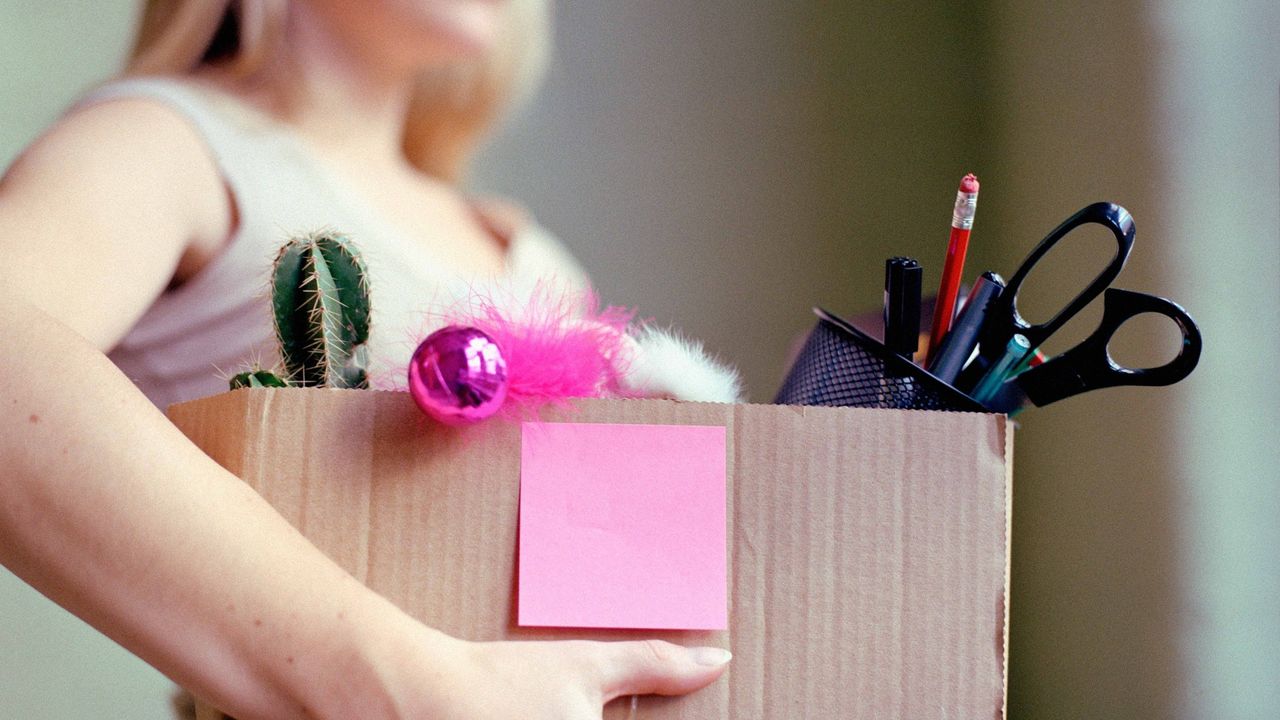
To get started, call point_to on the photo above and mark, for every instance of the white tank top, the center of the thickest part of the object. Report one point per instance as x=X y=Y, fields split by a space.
x=219 y=322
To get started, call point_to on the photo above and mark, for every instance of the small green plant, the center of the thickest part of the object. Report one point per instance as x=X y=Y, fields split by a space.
x=320 y=301
x=257 y=378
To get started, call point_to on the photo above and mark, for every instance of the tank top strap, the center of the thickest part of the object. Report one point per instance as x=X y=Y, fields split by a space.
x=234 y=135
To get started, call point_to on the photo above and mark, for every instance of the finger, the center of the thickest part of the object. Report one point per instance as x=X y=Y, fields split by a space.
x=657 y=667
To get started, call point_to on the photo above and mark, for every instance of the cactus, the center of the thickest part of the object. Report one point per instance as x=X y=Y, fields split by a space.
x=320 y=298
x=257 y=378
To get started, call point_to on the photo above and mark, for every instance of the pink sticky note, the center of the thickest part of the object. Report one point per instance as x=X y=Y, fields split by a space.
x=623 y=526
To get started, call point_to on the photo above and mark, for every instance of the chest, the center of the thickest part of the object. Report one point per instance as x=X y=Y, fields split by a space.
x=439 y=219
x=402 y=207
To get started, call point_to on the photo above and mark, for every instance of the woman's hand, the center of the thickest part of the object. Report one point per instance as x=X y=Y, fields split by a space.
x=565 y=680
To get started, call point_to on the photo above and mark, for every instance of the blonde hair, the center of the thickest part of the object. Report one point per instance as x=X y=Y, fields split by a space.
x=449 y=111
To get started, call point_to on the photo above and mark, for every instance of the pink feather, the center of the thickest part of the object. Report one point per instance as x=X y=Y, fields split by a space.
x=558 y=343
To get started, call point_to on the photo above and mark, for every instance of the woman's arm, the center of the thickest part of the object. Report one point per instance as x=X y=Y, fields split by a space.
x=106 y=507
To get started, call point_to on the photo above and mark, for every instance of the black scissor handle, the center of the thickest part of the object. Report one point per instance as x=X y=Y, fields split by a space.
x=1088 y=366
x=1004 y=310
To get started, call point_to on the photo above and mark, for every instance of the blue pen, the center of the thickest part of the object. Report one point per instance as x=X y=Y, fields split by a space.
x=1014 y=352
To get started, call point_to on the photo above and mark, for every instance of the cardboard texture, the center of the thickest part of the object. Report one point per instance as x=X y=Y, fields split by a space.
x=867 y=559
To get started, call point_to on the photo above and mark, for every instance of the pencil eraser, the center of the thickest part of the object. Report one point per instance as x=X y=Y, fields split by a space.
x=969 y=184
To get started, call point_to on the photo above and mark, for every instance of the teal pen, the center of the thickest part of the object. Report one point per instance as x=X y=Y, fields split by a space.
x=1014 y=352
x=1028 y=362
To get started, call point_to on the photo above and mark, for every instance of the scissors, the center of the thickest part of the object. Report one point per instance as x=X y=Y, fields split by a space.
x=1087 y=366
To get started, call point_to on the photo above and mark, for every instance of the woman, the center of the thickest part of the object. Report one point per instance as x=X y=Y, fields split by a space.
x=136 y=224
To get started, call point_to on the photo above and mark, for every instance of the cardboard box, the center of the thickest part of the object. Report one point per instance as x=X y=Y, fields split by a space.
x=868 y=549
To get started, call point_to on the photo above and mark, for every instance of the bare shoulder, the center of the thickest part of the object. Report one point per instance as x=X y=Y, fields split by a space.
x=100 y=211
x=126 y=150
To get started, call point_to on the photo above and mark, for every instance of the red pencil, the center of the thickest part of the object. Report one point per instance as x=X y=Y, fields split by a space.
x=944 y=307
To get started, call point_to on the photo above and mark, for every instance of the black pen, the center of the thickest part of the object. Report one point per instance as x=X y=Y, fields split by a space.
x=960 y=341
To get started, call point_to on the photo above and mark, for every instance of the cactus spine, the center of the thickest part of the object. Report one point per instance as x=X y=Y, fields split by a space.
x=320 y=298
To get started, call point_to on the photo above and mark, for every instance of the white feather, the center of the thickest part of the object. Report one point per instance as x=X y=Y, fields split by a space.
x=664 y=364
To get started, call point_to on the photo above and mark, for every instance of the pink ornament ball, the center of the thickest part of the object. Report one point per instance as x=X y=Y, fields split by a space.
x=458 y=375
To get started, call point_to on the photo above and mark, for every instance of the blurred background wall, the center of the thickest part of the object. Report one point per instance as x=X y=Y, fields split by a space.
x=724 y=165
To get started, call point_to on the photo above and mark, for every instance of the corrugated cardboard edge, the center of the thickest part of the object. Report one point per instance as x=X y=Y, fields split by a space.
x=197 y=418
x=1006 y=430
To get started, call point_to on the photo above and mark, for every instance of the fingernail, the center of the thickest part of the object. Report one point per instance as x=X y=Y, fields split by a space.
x=711 y=656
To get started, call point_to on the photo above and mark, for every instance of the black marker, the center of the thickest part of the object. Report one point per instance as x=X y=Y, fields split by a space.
x=902 y=280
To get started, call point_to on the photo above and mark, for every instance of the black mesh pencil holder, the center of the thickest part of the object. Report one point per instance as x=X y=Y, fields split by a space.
x=841 y=366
